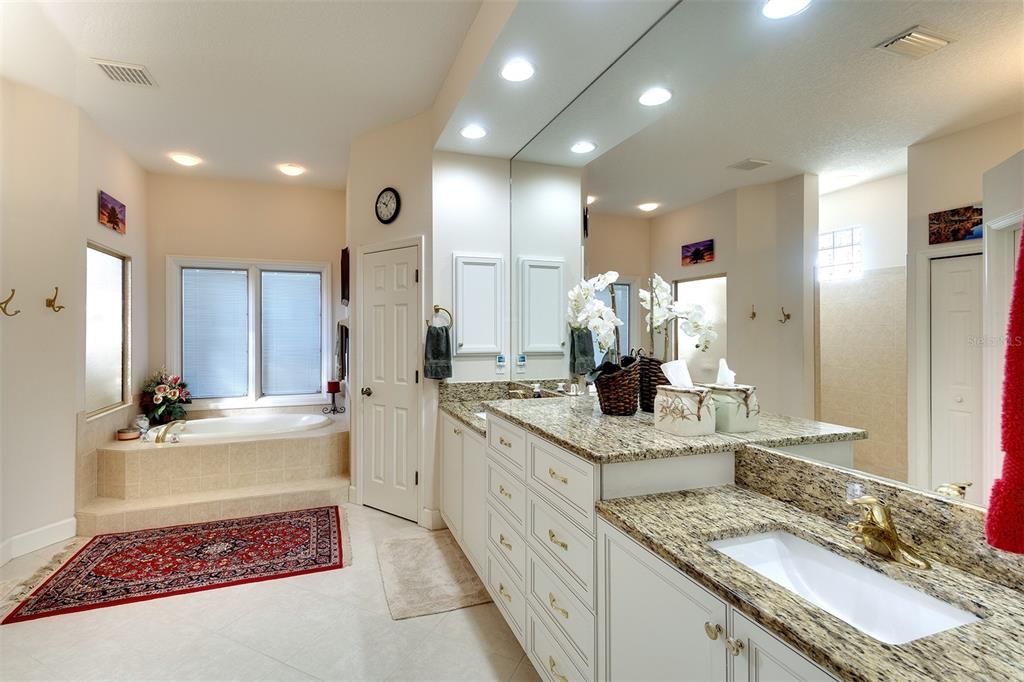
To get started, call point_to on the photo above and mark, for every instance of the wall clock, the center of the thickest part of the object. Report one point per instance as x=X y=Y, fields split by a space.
x=388 y=204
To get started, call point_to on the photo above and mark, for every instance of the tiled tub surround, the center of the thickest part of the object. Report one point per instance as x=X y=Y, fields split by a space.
x=944 y=530
x=678 y=527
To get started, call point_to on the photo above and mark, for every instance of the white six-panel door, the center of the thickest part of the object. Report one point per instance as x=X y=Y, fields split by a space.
x=390 y=439
x=956 y=352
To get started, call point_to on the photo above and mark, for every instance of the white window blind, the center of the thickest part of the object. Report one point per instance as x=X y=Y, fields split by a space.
x=104 y=329
x=215 y=332
x=290 y=333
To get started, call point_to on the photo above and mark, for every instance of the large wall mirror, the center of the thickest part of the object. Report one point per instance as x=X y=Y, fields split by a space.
x=844 y=226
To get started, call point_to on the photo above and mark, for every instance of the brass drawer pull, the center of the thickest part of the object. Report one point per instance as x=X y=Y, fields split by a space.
x=503 y=542
x=553 y=667
x=557 y=541
x=553 y=603
x=712 y=631
x=504 y=442
x=564 y=480
x=505 y=493
x=733 y=646
x=504 y=593
x=457 y=432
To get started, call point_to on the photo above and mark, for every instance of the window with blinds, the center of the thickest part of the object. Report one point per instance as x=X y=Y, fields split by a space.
x=215 y=332
x=290 y=332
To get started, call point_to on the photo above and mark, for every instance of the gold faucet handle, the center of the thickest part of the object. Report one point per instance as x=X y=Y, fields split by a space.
x=873 y=510
x=955 y=490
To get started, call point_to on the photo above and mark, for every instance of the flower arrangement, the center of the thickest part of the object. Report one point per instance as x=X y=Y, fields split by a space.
x=587 y=312
x=164 y=397
x=662 y=309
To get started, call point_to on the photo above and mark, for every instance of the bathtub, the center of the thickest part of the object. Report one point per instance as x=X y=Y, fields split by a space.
x=227 y=428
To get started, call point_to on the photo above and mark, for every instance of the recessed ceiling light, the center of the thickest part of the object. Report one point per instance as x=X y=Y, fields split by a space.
x=291 y=169
x=583 y=147
x=652 y=97
x=517 y=70
x=780 y=9
x=591 y=199
x=184 y=159
x=473 y=132
x=647 y=208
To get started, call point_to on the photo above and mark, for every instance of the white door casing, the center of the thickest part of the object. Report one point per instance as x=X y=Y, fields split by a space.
x=956 y=367
x=389 y=400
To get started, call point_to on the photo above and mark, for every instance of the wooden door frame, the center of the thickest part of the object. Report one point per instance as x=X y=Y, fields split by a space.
x=919 y=362
x=356 y=485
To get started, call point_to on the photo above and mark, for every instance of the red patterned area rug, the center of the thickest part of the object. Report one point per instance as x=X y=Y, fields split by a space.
x=120 y=568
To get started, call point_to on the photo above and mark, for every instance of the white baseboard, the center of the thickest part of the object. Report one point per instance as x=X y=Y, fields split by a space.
x=38 y=538
x=431 y=519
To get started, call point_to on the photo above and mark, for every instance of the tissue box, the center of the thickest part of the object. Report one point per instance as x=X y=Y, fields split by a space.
x=684 y=411
x=736 y=408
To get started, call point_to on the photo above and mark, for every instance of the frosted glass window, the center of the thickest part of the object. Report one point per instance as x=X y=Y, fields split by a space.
x=215 y=332
x=290 y=331
x=105 y=319
x=711 y=293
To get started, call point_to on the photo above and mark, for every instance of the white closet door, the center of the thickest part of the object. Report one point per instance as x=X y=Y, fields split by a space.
x=542 y=305
x=479 y=302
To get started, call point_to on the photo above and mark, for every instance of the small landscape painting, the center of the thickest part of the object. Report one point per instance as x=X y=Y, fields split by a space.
x=112 y=213
x=699 y=252
x=955 y=225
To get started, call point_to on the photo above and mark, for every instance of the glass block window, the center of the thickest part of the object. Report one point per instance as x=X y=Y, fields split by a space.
x=840 y=254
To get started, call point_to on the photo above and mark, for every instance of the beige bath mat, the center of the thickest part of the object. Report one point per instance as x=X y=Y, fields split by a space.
x=430 y=574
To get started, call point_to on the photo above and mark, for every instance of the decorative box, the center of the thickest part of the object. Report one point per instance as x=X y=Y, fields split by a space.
x=736 y=407
x=684 y=411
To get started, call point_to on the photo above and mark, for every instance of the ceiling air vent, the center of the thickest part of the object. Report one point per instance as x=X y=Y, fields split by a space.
x=915 y=43
x=750 y=164
x=132 y=74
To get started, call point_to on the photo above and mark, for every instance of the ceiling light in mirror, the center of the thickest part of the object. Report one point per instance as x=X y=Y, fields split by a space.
x=648 y=207
x=473 y=132
x=517 y=70
x=291 y=169
x=591 y=199
x=652 y=97
x=185 y=159
x=583 y=147
x=780 y=9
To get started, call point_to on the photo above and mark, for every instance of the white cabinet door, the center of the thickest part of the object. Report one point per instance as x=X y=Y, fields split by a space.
x=542 y=305
x=763 y=658
x=479 y=304
x=653 y=623
x=474 y=498
x=451 y=475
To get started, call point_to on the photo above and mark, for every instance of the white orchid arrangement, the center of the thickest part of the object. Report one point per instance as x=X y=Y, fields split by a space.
x=586 y=311
x=662 y=309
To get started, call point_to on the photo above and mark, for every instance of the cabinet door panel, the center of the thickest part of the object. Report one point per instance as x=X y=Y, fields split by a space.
x=451 y=475
x=474 y=499
x=651 y=619
x=764 y=658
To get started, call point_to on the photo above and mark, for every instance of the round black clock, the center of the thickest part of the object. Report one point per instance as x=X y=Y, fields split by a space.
x=388 y=205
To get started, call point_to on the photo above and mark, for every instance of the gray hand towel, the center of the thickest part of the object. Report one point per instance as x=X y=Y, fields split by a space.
x=437 y=353
x=581 y=351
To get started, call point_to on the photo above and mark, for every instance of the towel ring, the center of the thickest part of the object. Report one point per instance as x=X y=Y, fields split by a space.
x=439 y=309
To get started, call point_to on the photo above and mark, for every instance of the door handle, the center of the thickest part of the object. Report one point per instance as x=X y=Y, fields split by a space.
x=367 y=391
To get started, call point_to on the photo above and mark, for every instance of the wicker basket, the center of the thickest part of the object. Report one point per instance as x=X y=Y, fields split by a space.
x=650 y=376
x=618 y=392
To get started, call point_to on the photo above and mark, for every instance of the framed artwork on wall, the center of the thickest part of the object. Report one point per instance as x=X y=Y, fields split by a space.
x=112 y=213
x=698 y=252
x=955 y=225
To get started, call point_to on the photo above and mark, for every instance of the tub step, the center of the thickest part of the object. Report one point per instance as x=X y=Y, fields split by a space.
x=112 y=515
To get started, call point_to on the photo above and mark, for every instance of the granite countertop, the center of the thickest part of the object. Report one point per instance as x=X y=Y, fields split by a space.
x=465 y=411
x=678 y=526
x=578 y=425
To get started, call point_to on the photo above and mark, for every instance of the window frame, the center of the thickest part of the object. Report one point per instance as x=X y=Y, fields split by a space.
x=254 y=268
x=126 y=327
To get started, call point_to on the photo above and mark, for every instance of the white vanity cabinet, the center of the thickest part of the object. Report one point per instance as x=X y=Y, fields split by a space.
x=657 y=624
x=464 y=489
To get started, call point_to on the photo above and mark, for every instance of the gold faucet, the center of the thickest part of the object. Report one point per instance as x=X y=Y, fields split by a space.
x=166 y=431
x=876 y=531
x=954 y=490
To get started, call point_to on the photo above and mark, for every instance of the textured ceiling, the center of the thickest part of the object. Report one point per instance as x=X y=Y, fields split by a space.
x=245 y=85
x=808 y=93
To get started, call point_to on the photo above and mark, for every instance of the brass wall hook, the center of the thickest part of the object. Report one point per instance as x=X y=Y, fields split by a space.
x=4 y=303
x=785 y=316
x=51 y=302
x=753 y=313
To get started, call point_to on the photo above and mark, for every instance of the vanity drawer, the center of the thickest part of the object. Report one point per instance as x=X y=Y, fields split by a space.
x=548 y=653
x=567 y=480
x=508 y=443
x=507 y=596
x=562 y=609
x=507 y=543
x=568 y=549
x=508 y=493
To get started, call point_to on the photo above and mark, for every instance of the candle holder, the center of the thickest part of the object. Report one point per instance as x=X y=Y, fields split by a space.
x=334 y=388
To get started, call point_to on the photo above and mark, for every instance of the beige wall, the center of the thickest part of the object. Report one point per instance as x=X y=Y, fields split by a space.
x=879 y=208
x=621 y=243
x=236 y=219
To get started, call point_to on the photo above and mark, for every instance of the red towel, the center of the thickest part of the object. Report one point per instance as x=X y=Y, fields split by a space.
x=1005 y=523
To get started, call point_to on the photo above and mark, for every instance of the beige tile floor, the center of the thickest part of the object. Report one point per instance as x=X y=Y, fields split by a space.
x=332 y=626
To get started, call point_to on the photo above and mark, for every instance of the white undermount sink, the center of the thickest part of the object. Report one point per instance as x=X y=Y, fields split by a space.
x=875 y=604
x=482 y=415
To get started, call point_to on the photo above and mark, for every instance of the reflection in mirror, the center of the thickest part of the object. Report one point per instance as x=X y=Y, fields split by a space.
x=823 y=196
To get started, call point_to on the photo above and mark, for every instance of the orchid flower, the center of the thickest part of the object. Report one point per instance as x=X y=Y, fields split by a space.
x=586 y=311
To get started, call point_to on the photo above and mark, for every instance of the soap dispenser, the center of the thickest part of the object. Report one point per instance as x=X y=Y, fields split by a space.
x=536 y=390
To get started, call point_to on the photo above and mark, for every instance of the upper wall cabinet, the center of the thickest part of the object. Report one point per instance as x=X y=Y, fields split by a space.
x=542 y=301
x=479 y=304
